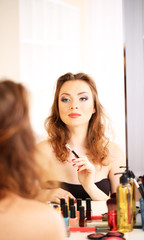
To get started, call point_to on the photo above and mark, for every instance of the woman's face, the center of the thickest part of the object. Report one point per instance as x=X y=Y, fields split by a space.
x=76 y=103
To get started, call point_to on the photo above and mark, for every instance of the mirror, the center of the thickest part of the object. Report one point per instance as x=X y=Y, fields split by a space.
x=73 y=36
x=41 y=40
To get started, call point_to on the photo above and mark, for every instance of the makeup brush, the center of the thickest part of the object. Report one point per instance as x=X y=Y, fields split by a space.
x=72 y=150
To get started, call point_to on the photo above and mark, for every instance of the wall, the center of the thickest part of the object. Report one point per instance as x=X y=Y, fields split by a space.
x=135 y=83
x=9 y=39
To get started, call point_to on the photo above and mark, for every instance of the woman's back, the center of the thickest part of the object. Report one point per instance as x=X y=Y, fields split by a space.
x=23 y=219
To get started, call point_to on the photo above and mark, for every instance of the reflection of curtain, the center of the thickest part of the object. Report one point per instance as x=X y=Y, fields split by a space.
x=49 y=43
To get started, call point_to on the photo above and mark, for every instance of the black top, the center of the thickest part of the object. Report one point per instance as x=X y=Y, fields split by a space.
x=78 y=191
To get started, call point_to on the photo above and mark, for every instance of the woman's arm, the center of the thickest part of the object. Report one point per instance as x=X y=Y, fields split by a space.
x=86 y=176
x=49 y=192
x=117 y=159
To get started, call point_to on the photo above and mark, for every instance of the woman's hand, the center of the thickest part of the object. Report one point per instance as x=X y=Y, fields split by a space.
x=86 y=171
x=56 y=194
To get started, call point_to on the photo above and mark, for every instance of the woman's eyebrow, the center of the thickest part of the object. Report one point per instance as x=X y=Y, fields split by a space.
x=65 y=94
x=68 y=94
x=82 y=93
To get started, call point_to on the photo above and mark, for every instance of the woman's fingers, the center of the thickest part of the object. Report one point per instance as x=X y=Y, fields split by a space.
x=59 y=193
x=83 y=164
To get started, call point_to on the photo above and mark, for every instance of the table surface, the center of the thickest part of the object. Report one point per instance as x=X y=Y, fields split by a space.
x=98 y=208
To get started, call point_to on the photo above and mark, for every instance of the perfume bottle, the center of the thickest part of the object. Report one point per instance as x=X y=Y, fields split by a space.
x=124 y=205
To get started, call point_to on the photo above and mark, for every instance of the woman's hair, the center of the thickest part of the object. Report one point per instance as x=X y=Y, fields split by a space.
x=58 y=133
x=18 y=168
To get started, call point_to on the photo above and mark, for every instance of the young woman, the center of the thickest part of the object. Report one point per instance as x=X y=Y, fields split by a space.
x=77 y=118
x=20 y=216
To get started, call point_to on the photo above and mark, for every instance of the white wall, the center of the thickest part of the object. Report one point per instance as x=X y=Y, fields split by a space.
x=9 y=39
x=133 y=35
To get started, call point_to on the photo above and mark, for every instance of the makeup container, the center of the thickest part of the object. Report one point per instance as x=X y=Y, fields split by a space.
x=71 y=203
x=142 y=211
x=65 y=214
x=96 y=223
x=109 y=236
x=88 y=208
x=96 y=236
x=73 y=221
x=112 y=214
x=124 y=205
x=79 y=203
x=82 y=219
x=62 y=202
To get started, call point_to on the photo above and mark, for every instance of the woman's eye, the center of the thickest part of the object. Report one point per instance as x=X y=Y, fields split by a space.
x=65 y=99
x=83 y=98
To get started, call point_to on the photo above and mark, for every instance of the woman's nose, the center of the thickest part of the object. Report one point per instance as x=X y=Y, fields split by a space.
x=73 y=107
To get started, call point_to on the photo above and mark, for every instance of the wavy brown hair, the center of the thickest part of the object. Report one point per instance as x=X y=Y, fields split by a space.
x=59 y=135
x=19 y=172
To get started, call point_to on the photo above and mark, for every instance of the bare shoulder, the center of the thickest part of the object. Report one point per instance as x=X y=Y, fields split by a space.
x=116 y=153
x=44 y=218
x=45 y=147
x=114 y=148
x=44 y=153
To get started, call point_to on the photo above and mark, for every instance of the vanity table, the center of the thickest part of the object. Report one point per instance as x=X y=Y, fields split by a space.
x=98 y=208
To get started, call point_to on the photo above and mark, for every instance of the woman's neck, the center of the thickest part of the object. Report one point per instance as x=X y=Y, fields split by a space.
x=78 y=136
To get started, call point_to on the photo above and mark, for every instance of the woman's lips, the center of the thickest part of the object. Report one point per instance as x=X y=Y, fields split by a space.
x=74 y=115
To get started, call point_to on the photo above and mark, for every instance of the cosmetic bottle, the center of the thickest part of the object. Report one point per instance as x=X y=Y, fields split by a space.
x=79 y=203
x=71 y=203
x=73 y=221
x=65 y=214
x=62 y=202
x=131 y=177
x=82 y=219
x=124 y=205
x=112 y=213
x=142 y=211
x=88 y=208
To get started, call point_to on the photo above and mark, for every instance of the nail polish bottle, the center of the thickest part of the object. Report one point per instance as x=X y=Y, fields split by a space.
x=62 y=202
x=65 y=214
x=71 y=203
x=79 y=203
x=73 y=221
x=88 y=208
x=82 y=219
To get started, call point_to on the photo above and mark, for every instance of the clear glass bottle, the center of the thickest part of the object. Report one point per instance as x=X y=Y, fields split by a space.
x=124 y=205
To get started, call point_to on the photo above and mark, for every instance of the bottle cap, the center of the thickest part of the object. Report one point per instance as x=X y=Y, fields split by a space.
x=88 y=204
x=62 y=202
x=72 y=211
x=82 y=213
x=65 y=210
x=79 y=203
x=124 y=178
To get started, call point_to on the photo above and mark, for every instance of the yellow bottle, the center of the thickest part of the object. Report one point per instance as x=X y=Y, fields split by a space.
x=124 y=205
